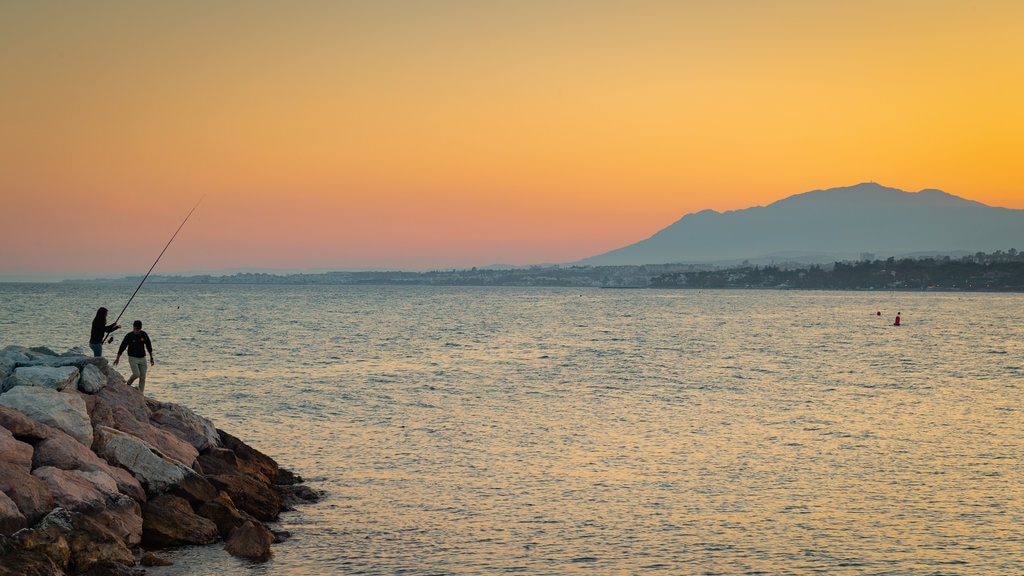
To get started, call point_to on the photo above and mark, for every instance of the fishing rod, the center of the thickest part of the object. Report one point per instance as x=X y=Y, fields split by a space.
x=155 y=261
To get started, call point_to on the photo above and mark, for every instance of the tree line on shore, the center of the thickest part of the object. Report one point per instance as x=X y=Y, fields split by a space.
x=997 y=271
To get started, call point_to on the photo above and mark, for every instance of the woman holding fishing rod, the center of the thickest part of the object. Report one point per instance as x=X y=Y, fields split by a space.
x=100 y=331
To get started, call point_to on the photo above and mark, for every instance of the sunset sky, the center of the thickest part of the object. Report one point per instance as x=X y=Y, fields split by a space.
x=330 y=135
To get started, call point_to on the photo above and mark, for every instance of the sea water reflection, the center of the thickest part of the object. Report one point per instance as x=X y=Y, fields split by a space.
x=553 y=431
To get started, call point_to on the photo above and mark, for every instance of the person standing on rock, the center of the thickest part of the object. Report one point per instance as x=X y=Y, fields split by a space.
x=99 y=332
x=137 y=343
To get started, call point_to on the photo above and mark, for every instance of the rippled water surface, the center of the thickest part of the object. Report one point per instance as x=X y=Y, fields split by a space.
x=554 y=431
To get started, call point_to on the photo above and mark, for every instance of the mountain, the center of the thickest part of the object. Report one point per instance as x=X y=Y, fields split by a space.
x=830 y=225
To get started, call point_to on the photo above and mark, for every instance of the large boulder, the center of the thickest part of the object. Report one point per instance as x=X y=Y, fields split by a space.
x=250 y=495
x=184 y=423
x=156 y=472
x=92 y=379
x=29 y=493
x=15 y=452
x=62 y=410
x=167 y=443
x=251 y=540
x=126 y=397
x=100 y=413
x=15 y=354
x=123 y=517
x=11 y=519
x=21 y=426
x=91 y=542
x=168 y=520
x=64 y=452
x=54 y=377
x=194 y=488
x=250 y=460
x=222 y=511
x=70 y=490
x=48 y=538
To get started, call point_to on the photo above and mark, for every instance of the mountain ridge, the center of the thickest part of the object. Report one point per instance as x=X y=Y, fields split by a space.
x=830 y=224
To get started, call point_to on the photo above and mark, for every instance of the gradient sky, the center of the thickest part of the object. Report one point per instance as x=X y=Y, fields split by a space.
x=438 y=134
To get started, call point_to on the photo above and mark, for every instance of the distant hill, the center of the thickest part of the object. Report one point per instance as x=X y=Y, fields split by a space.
x=830 y=225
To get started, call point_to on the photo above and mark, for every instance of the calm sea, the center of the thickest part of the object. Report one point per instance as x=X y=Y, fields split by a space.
x=558 y=431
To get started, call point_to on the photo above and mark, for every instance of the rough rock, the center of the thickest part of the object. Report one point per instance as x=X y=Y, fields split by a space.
x=91 y=542
x=219 y=461
x=100 y=413
x=15 y=452
x=92 y=379
x=48 y=538
x=53 y=377
x=186 y=424
x=194 y=488
x=125 y=397
x=11 y=519
x=21 y=426
x=70 y=490
x=222 y=511
x=156 y=472
x=123 y=517
x=30 y=494
x=64 y=452
x=168 y=520
x=92 y=472
x=165 y=442
x=28 y=563
x=250 y=540
x=250 y=495
x=250 y=460
x=62 y=410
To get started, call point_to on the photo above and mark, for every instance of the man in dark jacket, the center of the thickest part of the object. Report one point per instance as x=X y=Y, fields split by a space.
x=137 y=343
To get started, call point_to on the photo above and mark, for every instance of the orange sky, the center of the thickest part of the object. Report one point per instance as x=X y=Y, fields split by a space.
x=437 y=134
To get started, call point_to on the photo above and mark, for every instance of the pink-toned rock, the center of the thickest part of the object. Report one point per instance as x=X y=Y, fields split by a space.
x=21 y=426
x=29 y=493
x=15 y=452
x=63 y=410
x=250 y=540
x=123 y=517
x=64 y=452
x=155 y=472
x=11 y=519
x=100 y=413
x=120 y=395
x=185 y=424
x=70 y=490
x=128 y=484
x=168 y=520
x=169 y=444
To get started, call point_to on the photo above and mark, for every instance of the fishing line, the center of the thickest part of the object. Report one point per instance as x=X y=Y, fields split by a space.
x=158 y=259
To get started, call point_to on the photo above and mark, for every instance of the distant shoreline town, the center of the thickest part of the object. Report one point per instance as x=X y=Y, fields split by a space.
x=996 y=272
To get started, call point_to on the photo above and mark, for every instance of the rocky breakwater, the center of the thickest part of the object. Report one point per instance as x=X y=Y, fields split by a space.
x=95 y=478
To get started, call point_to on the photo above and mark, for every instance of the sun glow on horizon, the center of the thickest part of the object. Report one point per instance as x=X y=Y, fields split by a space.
x=456 y=132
